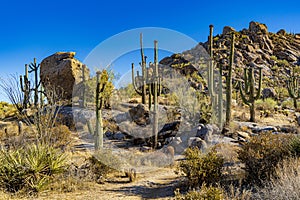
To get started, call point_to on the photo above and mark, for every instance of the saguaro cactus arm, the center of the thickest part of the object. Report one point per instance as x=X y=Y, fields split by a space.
x=140 y=92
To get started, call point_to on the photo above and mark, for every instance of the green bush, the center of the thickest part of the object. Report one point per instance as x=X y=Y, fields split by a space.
x=30 y=168
x=7 y=110
x=205 y=193
x=201 y=168
x=262 y=153
x=295 y=146
x=268 y=104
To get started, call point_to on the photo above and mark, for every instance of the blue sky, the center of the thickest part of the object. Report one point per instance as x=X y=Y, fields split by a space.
x=40 y=28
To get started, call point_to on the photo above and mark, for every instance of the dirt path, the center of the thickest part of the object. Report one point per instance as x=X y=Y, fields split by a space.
x=158 y=184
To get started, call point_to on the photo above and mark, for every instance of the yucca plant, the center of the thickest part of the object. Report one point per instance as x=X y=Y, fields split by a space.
x=30 y=168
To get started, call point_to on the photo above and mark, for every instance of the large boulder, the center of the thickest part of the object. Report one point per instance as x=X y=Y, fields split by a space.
x=62 y=72
x=228 y=30
x=258 y=28
x=140 y=115
x=269 y=93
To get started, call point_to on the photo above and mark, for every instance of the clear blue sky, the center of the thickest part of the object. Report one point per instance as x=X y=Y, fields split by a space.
x=40 y=28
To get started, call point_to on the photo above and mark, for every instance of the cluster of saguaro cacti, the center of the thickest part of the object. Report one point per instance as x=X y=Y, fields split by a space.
x=229 y=82
x=249 y=90
x=34 y=67
x=145 y=84
x=25 y=85
x=102 y=79
x=149 y=83
x=216 y=99
x=293 y=88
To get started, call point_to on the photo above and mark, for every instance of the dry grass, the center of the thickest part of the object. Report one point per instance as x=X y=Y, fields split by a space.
x=286 y=183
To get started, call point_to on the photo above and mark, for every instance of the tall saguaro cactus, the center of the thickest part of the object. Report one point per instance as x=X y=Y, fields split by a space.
x=25 y=87
x=216 y=99
x=293 y=88
x=155 y=93
x=34 y=67
x=143 y=78
x=83 y=102
x=102 y=79
x=210 y=64
x=229 y=82
x=249 y=90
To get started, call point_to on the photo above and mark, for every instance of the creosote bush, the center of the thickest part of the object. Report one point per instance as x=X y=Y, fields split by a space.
x=201 y=167
x=262 y=153
x=30 y=168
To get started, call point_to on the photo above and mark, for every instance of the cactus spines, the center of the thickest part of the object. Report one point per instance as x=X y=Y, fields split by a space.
x=155 y=93
x=25 y=87
x=294 y=89
x=249 y=90
x=102 y=78
x=229 y=82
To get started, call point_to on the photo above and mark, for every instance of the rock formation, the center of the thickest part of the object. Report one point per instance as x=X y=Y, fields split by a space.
x=276 y=53
x=62 y=71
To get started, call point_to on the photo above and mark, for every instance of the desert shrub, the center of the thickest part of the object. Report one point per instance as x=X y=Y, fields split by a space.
x=102 y=163
x=285 y=184
x=30 y=168
x=295 y=146
x=201 y=168
x=7 y=110
x=106 y=78
x=261 y=155
x=205 y=193
x=268 y=104
x=283 y=63
x=289 y=104
x=59 y=136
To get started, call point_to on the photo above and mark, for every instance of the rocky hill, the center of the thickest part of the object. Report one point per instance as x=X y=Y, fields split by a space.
x=277 y=53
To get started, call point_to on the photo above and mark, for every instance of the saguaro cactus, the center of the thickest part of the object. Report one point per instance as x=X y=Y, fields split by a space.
x=83 y=102
x=210 y=64
x=249 y=90
x=220 y=98
x=34 y=67
x=143 y=78
x=229 y=82
x=155 y=92
x=293 y=88
x=102 y=79
x=216 y=100
x=25 y=87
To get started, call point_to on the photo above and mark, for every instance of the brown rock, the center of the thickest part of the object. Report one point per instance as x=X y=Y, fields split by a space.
x=281 y=32
x=227 y=30
x=140 y=115
x=256 y=27
x=62 y=71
